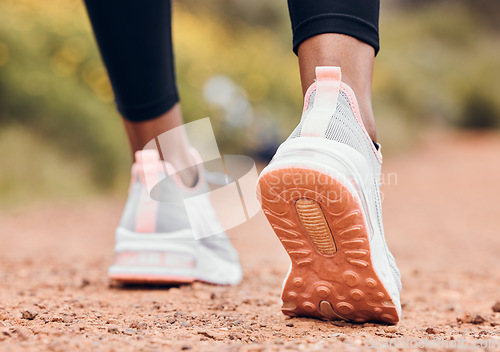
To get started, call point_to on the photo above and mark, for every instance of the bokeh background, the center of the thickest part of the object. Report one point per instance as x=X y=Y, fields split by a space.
x=61 y=138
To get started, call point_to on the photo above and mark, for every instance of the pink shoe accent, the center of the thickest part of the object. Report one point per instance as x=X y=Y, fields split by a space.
x=325 y=101
x=307 y=97
x=151 y=279
x=355 y=109
x=148 y=165
x=328 y=81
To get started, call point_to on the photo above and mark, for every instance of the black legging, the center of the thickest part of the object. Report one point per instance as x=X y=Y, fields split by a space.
x=135 y=41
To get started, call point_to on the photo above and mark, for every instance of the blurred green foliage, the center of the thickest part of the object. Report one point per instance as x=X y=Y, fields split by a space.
x=53 y=85
x=438 y=60
x=61 y=136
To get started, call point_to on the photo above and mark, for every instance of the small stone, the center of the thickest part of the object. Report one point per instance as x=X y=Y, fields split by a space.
x=496 y=307
x=206 y=334
x=431 y=330
x=471 y=319
x=41 y=305
x=171 y=320
x=112 y=329
x=391 y=329
x=179 y=314
x=84 y=283
x=56 y=319
x=290 y=325
x=235 y=336
x=29 y=314
x=185 y=347
x=139 y=325
x=186 y=324
x=130 y=332
x=4 y=335
x=477 y=319
x=68 y=320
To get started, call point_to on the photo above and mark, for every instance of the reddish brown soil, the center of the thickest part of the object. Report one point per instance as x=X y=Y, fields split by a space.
x=442 y=218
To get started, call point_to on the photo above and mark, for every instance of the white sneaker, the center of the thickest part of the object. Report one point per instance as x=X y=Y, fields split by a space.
x=155 y=240
x=321 y=194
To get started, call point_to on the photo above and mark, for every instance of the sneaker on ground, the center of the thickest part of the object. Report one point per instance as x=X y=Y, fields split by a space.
x=155 y=240
x=321 y=195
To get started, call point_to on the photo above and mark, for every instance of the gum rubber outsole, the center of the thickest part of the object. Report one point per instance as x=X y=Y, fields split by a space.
x=322 y=227
x=150 y=279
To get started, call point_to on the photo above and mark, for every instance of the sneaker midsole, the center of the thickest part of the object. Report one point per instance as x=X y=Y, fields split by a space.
x=206 y=264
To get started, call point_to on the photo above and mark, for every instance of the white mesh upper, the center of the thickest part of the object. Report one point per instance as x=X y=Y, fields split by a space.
x=171 y=213
x=345 y=128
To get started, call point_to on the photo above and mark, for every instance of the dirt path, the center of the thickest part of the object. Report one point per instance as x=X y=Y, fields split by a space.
x=442 y=220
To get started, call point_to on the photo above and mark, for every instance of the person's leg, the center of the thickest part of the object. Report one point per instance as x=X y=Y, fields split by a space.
x=135 y=42
x=338 y=33
x=156 y=238
x=175 y=149
x=321 y=191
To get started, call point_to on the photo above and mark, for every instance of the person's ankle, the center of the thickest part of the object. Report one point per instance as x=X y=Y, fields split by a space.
x=189 y=176
x=183 y=162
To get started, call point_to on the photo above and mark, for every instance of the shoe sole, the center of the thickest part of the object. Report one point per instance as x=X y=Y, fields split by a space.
x=161 y=259
x=124 y=278
x=322 y=226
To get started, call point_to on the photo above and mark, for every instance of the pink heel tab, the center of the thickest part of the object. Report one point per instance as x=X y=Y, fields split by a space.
x=146 y=166
x=148 y=156
x=328 y=73
x=325 y=101
x=149 y=161
x=353 y=102
x=323 y=73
